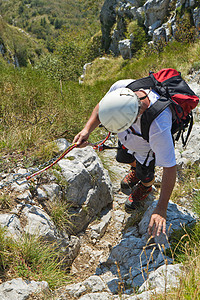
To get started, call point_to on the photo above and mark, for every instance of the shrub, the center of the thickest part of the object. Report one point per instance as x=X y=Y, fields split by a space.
x=22 y=55
x=185 y=29
x=137 y=35
x=93 y=49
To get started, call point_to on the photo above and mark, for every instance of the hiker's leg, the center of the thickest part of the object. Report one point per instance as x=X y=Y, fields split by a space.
x=146 y=173
x=124 y=157
x=146 y=176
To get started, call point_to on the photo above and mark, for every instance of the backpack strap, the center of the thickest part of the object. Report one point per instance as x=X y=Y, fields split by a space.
x=134 y=132
x=182 y=130
x=151 y=113
x=143 y=83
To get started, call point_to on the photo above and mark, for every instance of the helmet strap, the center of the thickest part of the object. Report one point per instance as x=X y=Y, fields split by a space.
x=142 y=98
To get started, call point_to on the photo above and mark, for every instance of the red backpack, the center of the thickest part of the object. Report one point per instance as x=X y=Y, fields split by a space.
x=174 y=92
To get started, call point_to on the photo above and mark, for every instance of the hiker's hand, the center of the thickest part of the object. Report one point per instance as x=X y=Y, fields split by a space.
x=81 y=138
x=157 y=222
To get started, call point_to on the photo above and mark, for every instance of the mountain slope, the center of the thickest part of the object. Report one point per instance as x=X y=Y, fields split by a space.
x=44 y=18
x=18 y=47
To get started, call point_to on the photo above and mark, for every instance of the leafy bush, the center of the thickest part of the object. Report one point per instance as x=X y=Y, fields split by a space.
x=69 y=55
x=52 y=66
x=185 y=29
x=73 y=14
x=19 y=44
x=93 y=49
x=137 y=35
x=22 y=55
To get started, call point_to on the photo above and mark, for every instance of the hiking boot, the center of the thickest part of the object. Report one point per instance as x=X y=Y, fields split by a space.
x=129 y=180
x=137 y=196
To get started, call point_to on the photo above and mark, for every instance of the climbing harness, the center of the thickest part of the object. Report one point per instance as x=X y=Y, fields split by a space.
x=22 y=178
x=99 y=145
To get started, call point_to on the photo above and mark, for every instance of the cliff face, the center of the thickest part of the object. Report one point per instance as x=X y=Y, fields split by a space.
x=159 y=18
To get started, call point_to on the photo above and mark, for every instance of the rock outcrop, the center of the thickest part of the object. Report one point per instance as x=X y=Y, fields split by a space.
x=18 y=289
x=159 y=17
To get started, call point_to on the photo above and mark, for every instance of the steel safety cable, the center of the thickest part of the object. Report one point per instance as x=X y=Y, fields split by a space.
x=37 y=171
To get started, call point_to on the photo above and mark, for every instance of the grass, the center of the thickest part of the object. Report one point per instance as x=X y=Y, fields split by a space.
x=61 y=217
x=34 y=111
x=30 y=258
x=24 y=46
x=5 y=202
x=187 y=183
x=180 y=56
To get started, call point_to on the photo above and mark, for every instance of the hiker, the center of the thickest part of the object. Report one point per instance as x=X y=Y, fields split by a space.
x=121 y=111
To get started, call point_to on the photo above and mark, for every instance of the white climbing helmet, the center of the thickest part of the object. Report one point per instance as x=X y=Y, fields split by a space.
x=119 y=109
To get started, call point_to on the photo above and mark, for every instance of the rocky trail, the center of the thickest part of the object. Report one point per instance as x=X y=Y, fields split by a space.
x=114 y=249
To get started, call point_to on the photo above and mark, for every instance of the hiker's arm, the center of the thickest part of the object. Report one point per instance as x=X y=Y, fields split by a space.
x=157 y=222
x=82 y=137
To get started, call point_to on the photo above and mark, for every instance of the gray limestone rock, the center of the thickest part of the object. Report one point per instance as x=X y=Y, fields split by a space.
x=191 y=153
x=196 y=18
x=12 y=223
x=69 y=249
x=136 y=252
x=39 y=223
x=159 y=34
x=125 y=48
x=93 y=284
x=52 y=190
x=62 y=144
x=98 y=230
x=163 y=278
x=96 y=296
x=155 y=10
x=88 y=187
x=107 y=19
x=177 y=216
x=18 y=289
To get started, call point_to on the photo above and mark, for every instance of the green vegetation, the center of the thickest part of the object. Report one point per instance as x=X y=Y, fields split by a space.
x=36 y=109
x=69 y=31
x=67 y=60
x=5 y=202
x=138 y=36
x=181 y=56
x=32 y=259
x=61 y=217
x=44 y=18
x=16 y=44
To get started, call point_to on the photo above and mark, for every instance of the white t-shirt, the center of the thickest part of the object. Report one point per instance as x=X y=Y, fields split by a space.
x=160 y=138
